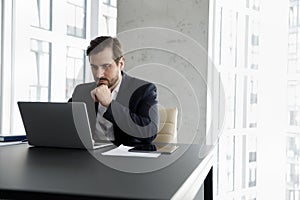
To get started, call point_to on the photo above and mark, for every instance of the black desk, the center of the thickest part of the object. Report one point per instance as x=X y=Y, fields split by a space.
x=39 y=173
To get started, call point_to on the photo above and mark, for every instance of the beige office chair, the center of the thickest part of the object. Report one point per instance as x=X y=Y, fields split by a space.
x=167 y=126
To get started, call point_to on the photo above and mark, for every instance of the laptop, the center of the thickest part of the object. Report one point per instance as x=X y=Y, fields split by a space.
x=65 y=125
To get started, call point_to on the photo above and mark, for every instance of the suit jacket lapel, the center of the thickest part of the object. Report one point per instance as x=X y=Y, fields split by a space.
x=121 y=94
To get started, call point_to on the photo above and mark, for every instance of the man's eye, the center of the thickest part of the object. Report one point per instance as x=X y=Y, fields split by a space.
x=105 y=66
x=94 y=67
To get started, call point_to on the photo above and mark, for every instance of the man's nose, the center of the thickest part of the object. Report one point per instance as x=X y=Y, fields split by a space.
x=100 y=72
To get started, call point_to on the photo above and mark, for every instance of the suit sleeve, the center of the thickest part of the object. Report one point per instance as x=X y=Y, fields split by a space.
x=140 y=118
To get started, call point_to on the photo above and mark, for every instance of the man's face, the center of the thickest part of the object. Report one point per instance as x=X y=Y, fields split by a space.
x=105 y=70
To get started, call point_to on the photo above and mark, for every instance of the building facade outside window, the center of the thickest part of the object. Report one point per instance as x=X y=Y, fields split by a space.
x=47 y=57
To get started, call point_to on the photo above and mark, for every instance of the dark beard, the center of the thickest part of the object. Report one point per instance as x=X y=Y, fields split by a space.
x=109 y=83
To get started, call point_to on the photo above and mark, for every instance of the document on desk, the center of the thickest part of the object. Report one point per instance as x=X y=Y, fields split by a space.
x=123 y=151
x=11 y=143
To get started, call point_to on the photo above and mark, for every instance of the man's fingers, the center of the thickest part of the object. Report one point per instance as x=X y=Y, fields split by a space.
x=101 y=93
x=93 y=95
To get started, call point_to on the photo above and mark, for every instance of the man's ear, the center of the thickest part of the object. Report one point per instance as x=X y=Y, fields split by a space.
x=121 y=63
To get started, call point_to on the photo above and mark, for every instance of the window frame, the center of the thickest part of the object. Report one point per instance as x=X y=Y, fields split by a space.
x=58 y=39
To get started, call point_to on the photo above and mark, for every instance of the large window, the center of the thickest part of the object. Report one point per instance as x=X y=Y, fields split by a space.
x=236 y=56
x=44 y=45
x=293 y=107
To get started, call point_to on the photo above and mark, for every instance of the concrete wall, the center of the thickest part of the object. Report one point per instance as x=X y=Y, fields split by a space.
x=165 y=42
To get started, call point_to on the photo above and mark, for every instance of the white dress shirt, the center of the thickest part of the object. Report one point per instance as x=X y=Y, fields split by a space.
x=104 y=128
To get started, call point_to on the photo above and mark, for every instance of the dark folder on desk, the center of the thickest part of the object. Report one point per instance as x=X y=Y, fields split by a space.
x=11 y=138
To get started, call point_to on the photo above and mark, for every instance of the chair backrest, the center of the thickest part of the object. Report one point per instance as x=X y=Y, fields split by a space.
x=167 y=125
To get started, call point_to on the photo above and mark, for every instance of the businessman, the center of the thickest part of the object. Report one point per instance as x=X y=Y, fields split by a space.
x=120 y=107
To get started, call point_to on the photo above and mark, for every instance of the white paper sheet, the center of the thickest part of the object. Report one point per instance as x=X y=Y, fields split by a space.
x=11 y=143
x=123 y=151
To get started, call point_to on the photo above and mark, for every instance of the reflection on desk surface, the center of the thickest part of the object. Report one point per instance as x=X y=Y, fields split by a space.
x=81 y=174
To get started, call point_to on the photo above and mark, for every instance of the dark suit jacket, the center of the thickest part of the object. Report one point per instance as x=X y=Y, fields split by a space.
x=134 y=113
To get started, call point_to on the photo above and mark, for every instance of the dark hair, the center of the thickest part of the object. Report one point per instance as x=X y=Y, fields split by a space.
x=100 y=43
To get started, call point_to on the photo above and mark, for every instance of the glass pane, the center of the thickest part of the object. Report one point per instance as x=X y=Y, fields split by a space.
x=80 y=17
x=76 y=19
x=252 y=177
x=252 y=42
x=44 y=69
x=80 y=3
x=226 y=164
x=253 y=4
x=229 y=84
x=71 y=16
x=229 y=37
x=293 y=52
x=41 y=14
x=250 y=102
x=112 y=26
x=45 y=47
x=252 y=165
x=113 y=3
x=293 y=12
x=104 y=25
x=34 y=45
x=293 y=97
x=38 y=88
x=35 y=20
x=78 y=67
x=45 y=14
x=298 y=20
x=292 y=48
x=74 y=70
x=292 y=65
x=70 y=71
x=106 y=2
x=293 y=163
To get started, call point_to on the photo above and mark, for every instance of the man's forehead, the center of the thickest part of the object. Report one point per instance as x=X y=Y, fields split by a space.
x=105 y=55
